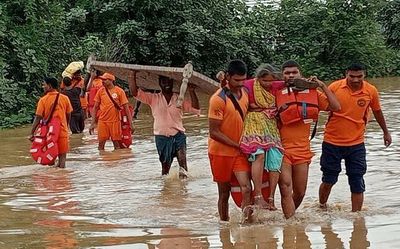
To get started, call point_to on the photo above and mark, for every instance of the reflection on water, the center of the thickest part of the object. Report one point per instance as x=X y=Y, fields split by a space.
x=118 y=199
x=55 y=187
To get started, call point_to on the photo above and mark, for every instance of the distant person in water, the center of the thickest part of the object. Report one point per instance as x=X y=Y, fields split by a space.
x=107 y=101
x=344 y=134
x=168 y=127
x=62 y=112
x=93 y=85
x=77 y=123
x=77 y=80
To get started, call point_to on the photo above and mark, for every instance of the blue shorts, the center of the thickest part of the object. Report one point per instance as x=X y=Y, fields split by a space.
x=354 y=159
x=168 y=147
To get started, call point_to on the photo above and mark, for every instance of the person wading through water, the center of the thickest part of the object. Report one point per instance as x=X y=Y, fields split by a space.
x=168 y=127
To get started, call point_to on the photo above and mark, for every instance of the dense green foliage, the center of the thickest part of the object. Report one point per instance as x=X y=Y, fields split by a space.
x=40 y=37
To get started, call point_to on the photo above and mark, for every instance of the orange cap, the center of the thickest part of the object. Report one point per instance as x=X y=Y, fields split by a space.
x=107 y=76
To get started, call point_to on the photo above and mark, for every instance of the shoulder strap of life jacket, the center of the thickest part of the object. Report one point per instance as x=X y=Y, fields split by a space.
x=314 y=131
x=53 y=108
x=115 y=103
x=229 y=94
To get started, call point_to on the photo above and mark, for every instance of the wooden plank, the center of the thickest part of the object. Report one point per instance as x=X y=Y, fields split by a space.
x=147 y=76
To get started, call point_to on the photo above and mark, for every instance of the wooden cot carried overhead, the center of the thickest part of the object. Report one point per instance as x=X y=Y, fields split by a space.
x=147 y=76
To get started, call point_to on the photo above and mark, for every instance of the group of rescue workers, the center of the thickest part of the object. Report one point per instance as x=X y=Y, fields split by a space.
x=255 y=125
x=267 y=121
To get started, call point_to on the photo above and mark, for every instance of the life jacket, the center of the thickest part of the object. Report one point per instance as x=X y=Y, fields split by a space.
x=44 y=149
x=126 y=140
x=296 y=106
x=237 y=194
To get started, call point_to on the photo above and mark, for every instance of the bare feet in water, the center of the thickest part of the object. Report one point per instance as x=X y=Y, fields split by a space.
x=271 y=204
x=59 y=166
x=183 y=174
x=247 y=216
x=260 y=202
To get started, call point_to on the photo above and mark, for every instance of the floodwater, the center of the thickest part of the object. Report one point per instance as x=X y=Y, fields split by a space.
x=119 y=200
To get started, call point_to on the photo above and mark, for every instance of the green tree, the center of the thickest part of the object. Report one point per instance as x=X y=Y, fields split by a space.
x=41 y=37
x=327 y=36
x=35 y=41
x=389 y=17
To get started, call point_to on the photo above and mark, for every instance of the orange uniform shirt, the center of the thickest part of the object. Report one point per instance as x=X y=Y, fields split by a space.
x=108 y=112
x=167 y=117
x=97 y=83
x=347 y=126
x=62 y=109
x=297 y=135
x=232 y=123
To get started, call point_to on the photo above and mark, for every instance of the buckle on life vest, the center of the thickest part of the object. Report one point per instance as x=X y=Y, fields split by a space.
x=304 y=109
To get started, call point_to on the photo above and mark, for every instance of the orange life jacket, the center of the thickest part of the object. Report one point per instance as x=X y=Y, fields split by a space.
x=295 y=106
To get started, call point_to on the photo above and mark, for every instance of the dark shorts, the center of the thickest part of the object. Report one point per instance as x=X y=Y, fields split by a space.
x=77 y=122
x=168 y=147
x=355 y=161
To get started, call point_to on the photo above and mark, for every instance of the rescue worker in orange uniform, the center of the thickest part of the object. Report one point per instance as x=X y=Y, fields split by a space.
x=93 y=86
x=295 y=137
x=62 y=112
x=344 y=134
x=109 y=122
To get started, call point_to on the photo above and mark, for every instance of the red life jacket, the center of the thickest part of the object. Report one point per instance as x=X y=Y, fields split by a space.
x=126 y=140
x=44 y=149
x=295 y=106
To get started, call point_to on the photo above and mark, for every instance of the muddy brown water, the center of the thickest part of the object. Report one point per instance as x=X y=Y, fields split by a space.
x=119 y=200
